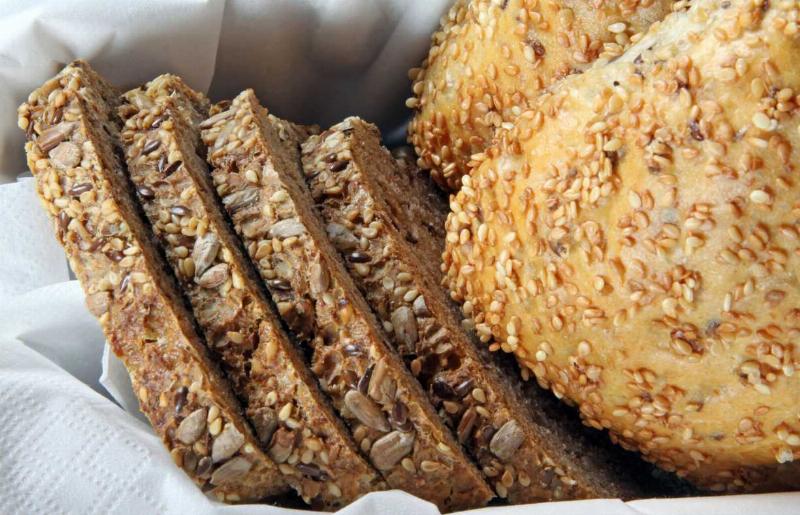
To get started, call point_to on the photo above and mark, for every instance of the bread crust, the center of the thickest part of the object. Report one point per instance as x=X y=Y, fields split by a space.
x=292 y=418
x=261 y=186
x=633 y=240
x=490 y=60
x=72 y=137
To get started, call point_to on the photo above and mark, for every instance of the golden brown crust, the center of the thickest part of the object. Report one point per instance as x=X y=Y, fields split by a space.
x=294 y=423
x=260 y=183
x=519 y=458
x=634 y=241
x=490 y=60
x=71 y=126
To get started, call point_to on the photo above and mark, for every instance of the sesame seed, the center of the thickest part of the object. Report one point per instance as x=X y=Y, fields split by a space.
x=759 y=196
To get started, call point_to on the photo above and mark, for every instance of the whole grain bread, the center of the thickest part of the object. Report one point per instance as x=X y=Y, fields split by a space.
x=292 y=418
x=72 y=152
x=258 y=177
x=520 y=458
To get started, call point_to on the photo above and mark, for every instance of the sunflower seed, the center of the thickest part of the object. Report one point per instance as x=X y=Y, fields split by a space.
x=226 y=443
x=265 y=421
x=50 y=138
x=210 y=122
x=319 y=280
x=405 y=326
x=241 y=199
x=65 y=156
x=287 y=228
x=365 y=410
x=507 y=440
x=231 y=470
x=214 y=276
x=420 y=308
x=204 y=466
x=282 y=444
x=342 y=238
x=388 y=450
x=192 y=427
x=204 y=252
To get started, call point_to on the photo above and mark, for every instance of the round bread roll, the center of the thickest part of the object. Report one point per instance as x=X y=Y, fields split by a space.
x=491 y=58
x=635 y=241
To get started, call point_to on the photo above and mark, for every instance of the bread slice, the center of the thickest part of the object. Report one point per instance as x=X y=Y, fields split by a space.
x=292 y=418
x=72 y=151
x=259 y=180
x=364 y=215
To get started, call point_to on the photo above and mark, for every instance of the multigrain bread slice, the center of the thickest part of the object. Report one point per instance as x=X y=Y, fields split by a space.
x=292 y=418
x=72 y=152
x=259 y=180
x=519 y=458
x=417 y=195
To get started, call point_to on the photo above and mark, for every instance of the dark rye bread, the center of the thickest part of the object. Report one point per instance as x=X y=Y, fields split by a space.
x=346 y=168
x=292 y=418
x=72 y=151
x=259 y=180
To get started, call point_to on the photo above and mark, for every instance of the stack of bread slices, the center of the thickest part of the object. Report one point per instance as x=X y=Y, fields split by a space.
x=274 y=292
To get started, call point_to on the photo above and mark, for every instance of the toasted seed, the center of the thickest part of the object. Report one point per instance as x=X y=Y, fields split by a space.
x=420 y=308
x=282 y=444
x=241 y=199
x=363 y=383
x=226 y=443
x=231 y=470
x=77 y=189
x=210 y=122
x=467 y=424
x=214 y=276
x=318 y=279
x=464 y=387
x=169 y=169
x=366 y=410
x=145 y=192
x=507 y=440
x=338 y=166
x=287 y=228
x=405 y=326
x=50 y=138
x=151 y=146
x=442 y=389
x=65 y=156
x=192 y=427
x=180 y=211
x=312 y=471
x=204 y=466
x=400 y=419
x=341 y=237
x=388 y=450
x=358 y=257
x=204 y=252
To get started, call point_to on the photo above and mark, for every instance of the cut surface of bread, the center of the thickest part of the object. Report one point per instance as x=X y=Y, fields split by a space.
x=292 y=418
x=72 y=151
x=259 y=179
